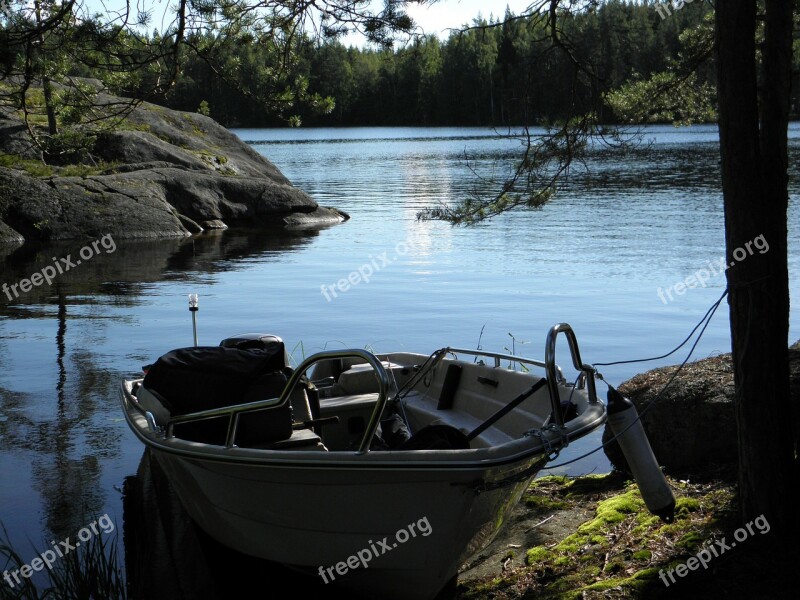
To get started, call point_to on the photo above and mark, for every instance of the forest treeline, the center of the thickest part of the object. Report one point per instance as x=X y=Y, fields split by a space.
x=502 y=70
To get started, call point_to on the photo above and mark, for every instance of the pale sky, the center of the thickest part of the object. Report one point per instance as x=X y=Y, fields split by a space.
x=444 y=15
x=455 y=13
x=437 y=18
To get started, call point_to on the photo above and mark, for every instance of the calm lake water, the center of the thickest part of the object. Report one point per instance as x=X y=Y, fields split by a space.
x=595 y=258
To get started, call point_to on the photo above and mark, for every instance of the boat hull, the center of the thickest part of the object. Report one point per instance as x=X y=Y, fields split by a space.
x=412 y=528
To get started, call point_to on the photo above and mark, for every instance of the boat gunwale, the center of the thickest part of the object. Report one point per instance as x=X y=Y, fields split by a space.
x=593 y=416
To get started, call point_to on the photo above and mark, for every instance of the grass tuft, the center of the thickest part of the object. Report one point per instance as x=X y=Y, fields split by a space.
x=91 y=572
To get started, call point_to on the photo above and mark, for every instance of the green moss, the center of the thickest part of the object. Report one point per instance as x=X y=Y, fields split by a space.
x=543 y=503
x=215 y=161
x=84 y=170
x=592 y=571
x=537 y=554
x=615 y=566
x=690 y=541
x=612 y=511
x=168 y=140
x=483 y=589
x=36 y=168
x=35 y=97
x=35 y=119
x=639 y=581
x=646 y=521
x=560 y=480
x=211 y=158
x=684 y=506
x=126 y=125
x=618 y=540
x=599 y=539
x=571 y=543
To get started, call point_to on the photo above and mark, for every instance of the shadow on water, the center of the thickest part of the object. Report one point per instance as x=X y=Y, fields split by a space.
x=118 y=267
x=56 y=412
x=167 y=556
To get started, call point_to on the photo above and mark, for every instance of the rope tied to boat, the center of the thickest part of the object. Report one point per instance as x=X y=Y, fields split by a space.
x=702 y=325
x=551 y=450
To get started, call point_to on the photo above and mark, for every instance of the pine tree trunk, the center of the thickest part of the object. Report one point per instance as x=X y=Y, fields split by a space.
x=52 y=123
x=753 y=143
x=47 y=87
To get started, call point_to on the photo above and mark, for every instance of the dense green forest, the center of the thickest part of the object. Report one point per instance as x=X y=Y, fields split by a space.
x=497 y=71
x=618 y=61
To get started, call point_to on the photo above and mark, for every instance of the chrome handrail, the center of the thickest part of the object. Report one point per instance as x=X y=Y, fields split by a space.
x=550 y=365
x=510 y=357
x=233 y=412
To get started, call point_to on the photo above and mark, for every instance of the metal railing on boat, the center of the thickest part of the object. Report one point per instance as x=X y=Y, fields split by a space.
x=511 y=358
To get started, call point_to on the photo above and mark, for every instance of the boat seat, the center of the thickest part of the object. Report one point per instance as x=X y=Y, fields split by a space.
x=467 y=423
x=360 y=378
x=422 y=413
x=301 y=408
x=301 y=411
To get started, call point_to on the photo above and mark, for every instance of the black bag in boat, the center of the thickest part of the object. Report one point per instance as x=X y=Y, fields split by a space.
x=189 y=380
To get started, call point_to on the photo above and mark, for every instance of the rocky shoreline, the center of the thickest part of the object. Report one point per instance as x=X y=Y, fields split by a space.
x=162 y=173
x=692 y=427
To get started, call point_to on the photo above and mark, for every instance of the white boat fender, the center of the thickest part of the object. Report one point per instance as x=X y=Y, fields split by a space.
x=628 y=430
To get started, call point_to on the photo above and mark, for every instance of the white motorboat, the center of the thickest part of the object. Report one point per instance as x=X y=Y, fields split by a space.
x=380 y=473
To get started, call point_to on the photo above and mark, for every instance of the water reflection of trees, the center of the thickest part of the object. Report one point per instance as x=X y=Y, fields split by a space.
x=66 y=431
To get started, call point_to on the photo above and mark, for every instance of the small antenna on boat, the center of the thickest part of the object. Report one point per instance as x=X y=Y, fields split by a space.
x=193 y=308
